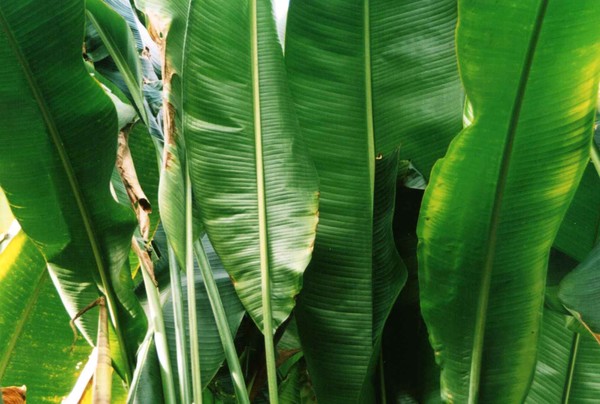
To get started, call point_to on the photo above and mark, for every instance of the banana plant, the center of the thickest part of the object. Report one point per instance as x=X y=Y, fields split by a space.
x=316 y=151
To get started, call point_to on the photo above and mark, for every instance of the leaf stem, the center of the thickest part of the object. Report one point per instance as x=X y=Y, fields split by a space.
x=382 y=377
x=237 y=376
x=191 y=292
x=160 y=336
x=180 y=343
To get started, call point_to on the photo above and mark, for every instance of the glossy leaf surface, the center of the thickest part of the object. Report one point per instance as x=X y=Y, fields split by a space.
x=531 y=74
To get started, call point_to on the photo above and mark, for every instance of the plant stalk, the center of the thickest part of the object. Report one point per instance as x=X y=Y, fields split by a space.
x=191 y=293
x=235 y=369
x=180 y=342
x=160 y=336
x=102 y=386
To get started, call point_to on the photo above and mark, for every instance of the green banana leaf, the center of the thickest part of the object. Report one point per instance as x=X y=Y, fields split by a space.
x=251 y=175
x=364 y=79
x=143 y=41
x=495 y=202
x=36 y=342
x=59 y=137
x=568 y=366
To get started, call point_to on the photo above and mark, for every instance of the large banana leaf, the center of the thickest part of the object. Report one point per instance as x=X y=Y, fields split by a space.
x=496 y=201
x=59 y=137
x=35 y=337
x=568 y=369
x=252 y=179
x=364 y=75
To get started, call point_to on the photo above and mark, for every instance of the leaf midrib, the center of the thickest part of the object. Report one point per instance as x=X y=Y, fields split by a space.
x=571 y=370
x=478 y=340
x=262 y=208
x=369 y=117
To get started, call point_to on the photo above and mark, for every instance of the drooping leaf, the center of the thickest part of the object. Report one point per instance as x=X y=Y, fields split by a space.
x=495 y=202
x=57 y=163
x=35 y=337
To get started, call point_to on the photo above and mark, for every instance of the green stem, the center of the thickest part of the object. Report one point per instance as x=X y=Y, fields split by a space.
x=595 y=156
x=220 y=316
x=180 y=343
x=191 y=293
x=160 y=336
x=262 y=214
